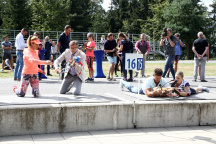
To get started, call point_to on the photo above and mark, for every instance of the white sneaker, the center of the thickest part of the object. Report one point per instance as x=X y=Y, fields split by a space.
x=121 y=85
x=2 y=70
x=12 y=70
x=204 y=88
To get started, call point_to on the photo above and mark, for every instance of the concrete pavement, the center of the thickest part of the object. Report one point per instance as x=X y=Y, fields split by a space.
x=167 y=135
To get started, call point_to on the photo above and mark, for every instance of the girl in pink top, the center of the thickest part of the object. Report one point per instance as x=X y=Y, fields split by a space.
x=90 y=56
x=30 y=70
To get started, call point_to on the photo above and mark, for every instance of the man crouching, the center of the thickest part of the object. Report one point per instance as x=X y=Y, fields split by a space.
x=74 y=71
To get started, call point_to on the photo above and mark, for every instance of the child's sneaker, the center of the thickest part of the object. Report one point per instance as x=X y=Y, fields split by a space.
x=12 y=70
x=204 y=88
x=14 y=87
x=2 y=70
x=121 y=85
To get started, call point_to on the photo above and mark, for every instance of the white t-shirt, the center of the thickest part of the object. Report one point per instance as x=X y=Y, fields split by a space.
x=183 y=85
x=149 y=83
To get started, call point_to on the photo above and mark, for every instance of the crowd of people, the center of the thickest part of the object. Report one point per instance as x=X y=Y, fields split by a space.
x=72 y=61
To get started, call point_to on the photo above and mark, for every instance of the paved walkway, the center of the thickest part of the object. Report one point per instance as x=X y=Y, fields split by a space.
x=172 y=135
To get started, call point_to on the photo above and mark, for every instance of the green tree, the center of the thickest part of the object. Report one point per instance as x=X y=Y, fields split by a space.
x=81 y=18
x=15 y=14
x=155 y=22
x=50 y=14
x=186 y=17
x=99 y=19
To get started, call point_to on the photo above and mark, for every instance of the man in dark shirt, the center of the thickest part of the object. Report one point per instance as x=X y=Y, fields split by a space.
x=169 y=42
x=110 y=48
x=63 y=42
x=47 y=44
x=200 y=47
x=7 y=47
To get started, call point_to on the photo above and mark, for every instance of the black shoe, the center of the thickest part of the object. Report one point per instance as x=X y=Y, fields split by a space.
x=40 y=78
x=92 y=79
x=88 y=79
x=167 y=75
x=143 y=76
x=135 y=75
x=49 y=74
x=194 y=80
x=204 y=81
x=116 y=75
x=130 y=80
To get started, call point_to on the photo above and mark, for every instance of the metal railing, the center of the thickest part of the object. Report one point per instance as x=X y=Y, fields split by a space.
x=81 y=37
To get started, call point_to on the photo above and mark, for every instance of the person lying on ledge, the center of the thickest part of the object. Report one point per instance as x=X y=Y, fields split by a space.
x=184 y=87
x=147 y=87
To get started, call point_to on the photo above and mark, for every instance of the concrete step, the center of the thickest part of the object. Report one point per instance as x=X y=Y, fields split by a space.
x=74 y=117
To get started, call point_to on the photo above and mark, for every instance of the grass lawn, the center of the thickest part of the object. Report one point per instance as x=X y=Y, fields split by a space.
x=187 y=68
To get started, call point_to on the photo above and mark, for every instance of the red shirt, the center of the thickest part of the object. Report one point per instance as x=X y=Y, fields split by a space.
x=90 y=44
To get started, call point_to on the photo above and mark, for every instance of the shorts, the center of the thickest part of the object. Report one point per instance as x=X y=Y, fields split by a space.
x=89 y=61
x=6 y=56
x=193 y=91
x=177 y=57
x=112 y=59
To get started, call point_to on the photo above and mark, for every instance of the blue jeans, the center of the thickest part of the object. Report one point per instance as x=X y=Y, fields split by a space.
x=19 y=65
x=123 y=65
x=131 y=88
x=169 y=65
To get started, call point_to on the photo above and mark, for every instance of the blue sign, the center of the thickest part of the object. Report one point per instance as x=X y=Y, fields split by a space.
x=139 y=63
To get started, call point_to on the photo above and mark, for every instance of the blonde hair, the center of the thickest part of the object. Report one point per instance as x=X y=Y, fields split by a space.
x=73 y=43
x=180 y=73
x=31 y=38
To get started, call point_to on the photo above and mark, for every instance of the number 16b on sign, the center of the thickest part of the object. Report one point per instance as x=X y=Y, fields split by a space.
x=139 y=63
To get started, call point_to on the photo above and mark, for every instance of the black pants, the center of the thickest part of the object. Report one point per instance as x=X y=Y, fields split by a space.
x=39 y=66
x=123 y=65
x=47 y=57
x=116 y=66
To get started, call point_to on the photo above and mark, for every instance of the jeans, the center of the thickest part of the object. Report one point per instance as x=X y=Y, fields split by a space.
x=123 y=65
x=131 y=88
x=196 y=65
x=169 y=65
x=19 y=65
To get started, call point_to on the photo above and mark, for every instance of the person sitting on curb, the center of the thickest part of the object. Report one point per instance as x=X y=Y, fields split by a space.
x=184 y=86
x=147 y=87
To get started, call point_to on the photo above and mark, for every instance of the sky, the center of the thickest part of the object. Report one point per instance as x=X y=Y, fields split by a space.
x=106 y=4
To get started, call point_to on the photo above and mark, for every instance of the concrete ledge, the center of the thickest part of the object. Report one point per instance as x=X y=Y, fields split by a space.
x=37 y=119
x=208 y=113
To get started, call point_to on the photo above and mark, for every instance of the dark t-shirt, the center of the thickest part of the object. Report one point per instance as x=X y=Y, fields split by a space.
x=110 y=45
x=48 y=48
x=64 y=40
x=200 y=45
x=6 y=44
x=126 y=45
x=168 y=49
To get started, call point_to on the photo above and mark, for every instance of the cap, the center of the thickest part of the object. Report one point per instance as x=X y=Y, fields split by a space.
x=37 y=41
